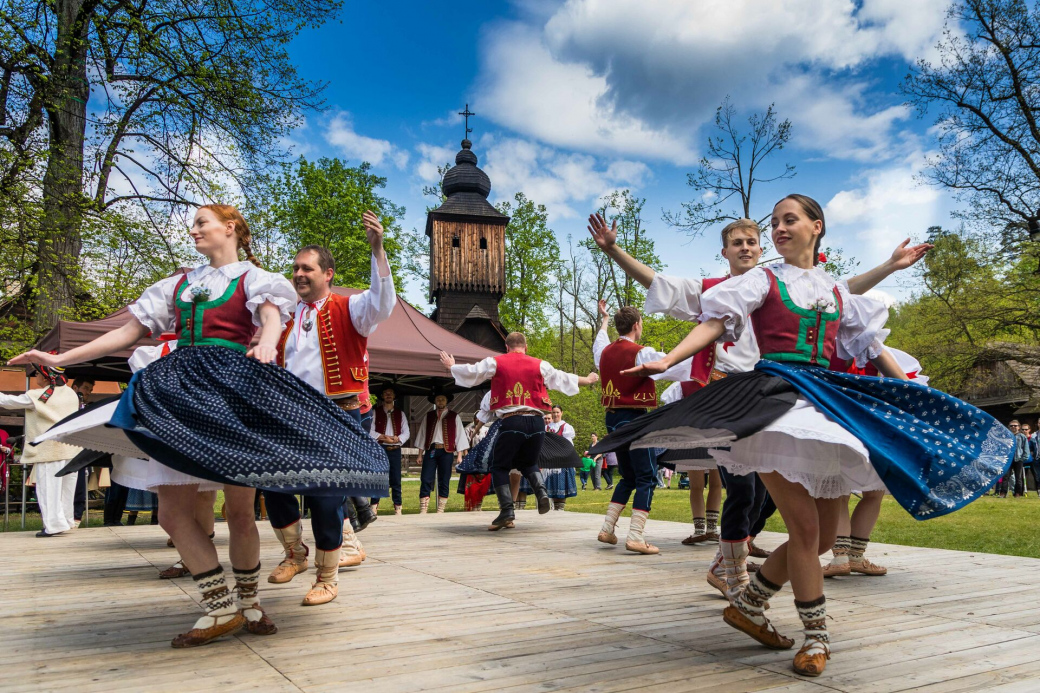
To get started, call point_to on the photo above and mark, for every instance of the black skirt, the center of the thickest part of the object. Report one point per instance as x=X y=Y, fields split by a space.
x=714 y=416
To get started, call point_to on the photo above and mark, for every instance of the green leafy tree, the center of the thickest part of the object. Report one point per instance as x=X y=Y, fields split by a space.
x=321 y=203
x=145 y=106
x=532 y=261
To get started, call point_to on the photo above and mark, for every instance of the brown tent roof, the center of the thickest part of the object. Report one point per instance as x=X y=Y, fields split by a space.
x=404 y=349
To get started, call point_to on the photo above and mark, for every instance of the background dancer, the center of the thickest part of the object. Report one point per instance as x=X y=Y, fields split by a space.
x=326 y=345
x=214 y=409
x=520 y=387
x=443 y=439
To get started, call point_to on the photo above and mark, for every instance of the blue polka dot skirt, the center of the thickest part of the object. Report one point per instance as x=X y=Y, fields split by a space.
x=934 y=452
x=213 y=413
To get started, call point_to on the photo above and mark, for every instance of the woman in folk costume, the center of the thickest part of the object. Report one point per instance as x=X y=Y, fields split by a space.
x=814 y=434
x=217 y=409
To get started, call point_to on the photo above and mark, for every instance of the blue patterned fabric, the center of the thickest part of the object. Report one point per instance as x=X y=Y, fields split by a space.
x=138 y=500
x=478 y=459
x=559 y=483
x=934 y=452
x=213 y=413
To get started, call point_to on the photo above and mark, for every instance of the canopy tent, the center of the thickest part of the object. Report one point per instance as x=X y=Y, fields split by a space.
x=404 y=350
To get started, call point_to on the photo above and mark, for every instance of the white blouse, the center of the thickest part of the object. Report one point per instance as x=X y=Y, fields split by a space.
x=860 y=334
x=155 y=308
x=473 y=374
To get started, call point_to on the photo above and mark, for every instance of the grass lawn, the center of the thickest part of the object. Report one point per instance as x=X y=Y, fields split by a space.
x=991 y=525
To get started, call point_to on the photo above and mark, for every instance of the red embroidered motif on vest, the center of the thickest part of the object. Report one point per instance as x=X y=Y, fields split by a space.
x=396 y=418
x=447 y=429
x=518 y=382
x=623 y=391
x=787 y=332
x=344 y=352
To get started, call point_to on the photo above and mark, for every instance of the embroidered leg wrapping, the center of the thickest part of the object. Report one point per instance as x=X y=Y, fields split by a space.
x=247 y=594
x=442 y=503
x=424 y=504
x=295 y=560
x=221 y=616
x=858 y=563
x=636 y=541
x=711 y=525
x=815 y=651
x=326 y=584
x=747 y=613
x=351 y=552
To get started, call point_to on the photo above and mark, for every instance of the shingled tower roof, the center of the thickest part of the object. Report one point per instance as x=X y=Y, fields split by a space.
x=466 y=188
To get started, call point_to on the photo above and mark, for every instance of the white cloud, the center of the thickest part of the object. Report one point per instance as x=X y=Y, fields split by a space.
x=340 y=133
x=431 y=157
x=568 y=184
x=638 y=78
x=889 y=206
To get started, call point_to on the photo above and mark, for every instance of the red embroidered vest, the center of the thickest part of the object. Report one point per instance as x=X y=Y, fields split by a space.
x=396 y=418
x=787 y=332
x=221 y=321
x=703 y=360
x=623 y=391
x=344 y=352
x=447 y=429
x=518 y=382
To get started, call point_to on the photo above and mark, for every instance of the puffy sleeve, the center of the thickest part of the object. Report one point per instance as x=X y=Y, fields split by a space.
x=154 y=309
x=862 y=331
x=263 y=286
x=601 y=342
x=484 y=413
x=473 y=374
x=461 y=439
x=734 y=300
x=373 y=305
x=674 y=296
x=561 y=381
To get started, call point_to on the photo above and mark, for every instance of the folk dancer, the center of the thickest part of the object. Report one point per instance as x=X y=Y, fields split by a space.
x=813 y=433
x=216 y=410
x=747 y=503
x=390 y=429
x=520 y=387
x=442 y=440
x=326 y=345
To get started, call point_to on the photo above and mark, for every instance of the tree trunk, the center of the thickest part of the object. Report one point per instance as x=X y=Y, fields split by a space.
x=63 y=199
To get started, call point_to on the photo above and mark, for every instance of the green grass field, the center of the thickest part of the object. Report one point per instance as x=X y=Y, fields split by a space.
x=1008 y=526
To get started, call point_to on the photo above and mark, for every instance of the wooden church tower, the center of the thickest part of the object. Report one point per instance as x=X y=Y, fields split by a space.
x=467 y=254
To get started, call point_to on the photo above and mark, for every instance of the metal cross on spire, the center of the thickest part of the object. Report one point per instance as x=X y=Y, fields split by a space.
x=466 y=114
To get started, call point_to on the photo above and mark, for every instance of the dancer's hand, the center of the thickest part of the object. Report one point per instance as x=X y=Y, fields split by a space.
x=647 y=369
x=373 y=230
x=604 y=236
x=602 y=306
x=904 y=257
x=447 y=360
x=36 y=356
x=264 y=353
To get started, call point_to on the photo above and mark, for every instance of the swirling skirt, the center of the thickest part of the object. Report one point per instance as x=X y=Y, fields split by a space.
x=559 y=483
x=556 y=453
x=212 y=413
x=933 y=452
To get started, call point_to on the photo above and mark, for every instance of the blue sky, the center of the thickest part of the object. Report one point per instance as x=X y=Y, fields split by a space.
x=577 y=99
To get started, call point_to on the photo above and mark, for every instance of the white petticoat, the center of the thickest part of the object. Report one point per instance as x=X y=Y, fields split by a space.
x=148 y=475
x=805 y=447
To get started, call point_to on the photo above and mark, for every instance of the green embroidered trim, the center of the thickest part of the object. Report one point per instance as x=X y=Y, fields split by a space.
x=196 y=311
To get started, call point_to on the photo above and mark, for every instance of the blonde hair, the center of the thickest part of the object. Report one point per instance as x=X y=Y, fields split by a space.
x=740 y=224
x=228 y=213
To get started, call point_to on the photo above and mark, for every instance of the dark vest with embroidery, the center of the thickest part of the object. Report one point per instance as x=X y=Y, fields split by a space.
x=787 y=332
x=344 y=352
x=396 y=419
x=447 y=429
x=222 y=321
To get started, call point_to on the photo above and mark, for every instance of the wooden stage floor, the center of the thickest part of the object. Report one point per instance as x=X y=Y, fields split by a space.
x=442 y=604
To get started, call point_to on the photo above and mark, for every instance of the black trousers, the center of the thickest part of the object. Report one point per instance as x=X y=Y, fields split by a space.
x=764 y=513
x=518 y=446
x=115 y=504
x=745 y=495
x=394 y=454
x=79 y=501
x=1020 y=477
x=326 y=516
x=435 y=463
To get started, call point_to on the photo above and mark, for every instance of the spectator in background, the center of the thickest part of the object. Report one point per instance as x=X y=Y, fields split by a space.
x=1019 y=460
x=587 y=463
x=1034 y=463
x=84 y=388
x=609 y=465
x=597 y=469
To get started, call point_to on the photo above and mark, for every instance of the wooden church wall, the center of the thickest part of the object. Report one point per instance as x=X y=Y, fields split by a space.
x=467 y=267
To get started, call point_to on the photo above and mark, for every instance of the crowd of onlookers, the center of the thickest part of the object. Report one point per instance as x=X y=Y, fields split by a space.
x=1026 y=458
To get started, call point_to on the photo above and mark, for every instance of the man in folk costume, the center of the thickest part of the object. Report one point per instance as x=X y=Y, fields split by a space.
x=442 y=438
x=390 y=429
x=625 y=398
x=50 y=401
x=520 y=387
x=681 y=298
x=326 y=345
x=559 y=483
